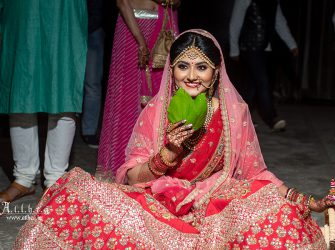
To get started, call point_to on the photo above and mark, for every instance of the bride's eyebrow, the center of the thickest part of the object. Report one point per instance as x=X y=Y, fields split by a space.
x=198 y=63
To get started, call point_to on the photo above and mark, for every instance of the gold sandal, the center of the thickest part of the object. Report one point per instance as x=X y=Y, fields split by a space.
x=14 y=192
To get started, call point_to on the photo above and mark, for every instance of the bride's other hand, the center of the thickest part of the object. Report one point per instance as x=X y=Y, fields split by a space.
x=321 y=205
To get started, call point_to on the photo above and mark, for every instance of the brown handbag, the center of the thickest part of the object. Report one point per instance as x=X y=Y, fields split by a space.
x=163 y=44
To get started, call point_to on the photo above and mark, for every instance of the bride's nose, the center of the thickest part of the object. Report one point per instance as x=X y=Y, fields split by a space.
x=192 y=76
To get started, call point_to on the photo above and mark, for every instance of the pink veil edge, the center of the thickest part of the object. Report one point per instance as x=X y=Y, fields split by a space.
x=242 y=155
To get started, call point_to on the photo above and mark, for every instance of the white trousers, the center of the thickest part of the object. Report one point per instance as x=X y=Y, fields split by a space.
x=25 y=147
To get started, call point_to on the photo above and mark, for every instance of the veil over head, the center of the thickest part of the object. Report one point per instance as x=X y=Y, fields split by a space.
x=239 y=148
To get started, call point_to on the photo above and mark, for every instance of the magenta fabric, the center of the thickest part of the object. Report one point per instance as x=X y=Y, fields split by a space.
x=126 y=84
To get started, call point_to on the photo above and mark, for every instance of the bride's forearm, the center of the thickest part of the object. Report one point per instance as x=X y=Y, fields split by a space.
x=154 y=168
x=283 y=190
x=140 y=174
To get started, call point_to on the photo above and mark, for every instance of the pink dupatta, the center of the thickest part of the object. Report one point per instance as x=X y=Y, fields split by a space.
x=237 y=151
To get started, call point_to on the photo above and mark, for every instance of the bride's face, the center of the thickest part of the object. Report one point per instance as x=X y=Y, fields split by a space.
x=193 y=75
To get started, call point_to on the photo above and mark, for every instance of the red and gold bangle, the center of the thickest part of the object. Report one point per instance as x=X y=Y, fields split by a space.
x=289 y=190
x=164 y=160
x=307 y=206
x=160 y=166
x=153 y=168
x=301 y=199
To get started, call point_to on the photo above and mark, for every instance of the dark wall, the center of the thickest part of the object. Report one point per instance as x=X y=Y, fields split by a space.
x=310 y=23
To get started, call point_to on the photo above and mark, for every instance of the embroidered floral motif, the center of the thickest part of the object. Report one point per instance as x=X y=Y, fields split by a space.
x=296 y=223
x=108 y=228
x=251 y=240
x=60 y=199
x=289 y=245
x=263 y=242
x=99 y=243
x=71 y=198
x=47 y=210
x=272 y=218
x=281 y=232
x=60 y=210
x=152 y=204
x=276 y=243
x=64 y=234
x=72 y=209
x=87 y=232
x=96 y=231
x=85 y=220
x=96 y=219
x=232 y=190
x=284 y=219
x=74 y=222
x=268 y=230
x=61 y=222
x=83 y=209
x=111 y=243
x=50 y=222
x=293 y=233
x=255 y=228
x=76 y=233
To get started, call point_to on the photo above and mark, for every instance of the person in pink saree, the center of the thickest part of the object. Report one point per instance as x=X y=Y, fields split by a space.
x=181 y=188
x=132 y=79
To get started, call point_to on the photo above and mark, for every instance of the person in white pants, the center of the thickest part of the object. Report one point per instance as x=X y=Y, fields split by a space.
x=42 y=69
x=25 y=146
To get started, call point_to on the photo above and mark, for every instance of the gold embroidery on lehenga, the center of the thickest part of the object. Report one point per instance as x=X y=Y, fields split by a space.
x=276 y=243
x=231 y=190
x=61 y=222
x=96 y=231
x=111 y=243
x=281 y=232
x=74 y=222
x=285 y=220
x=72 y=209
x=239 y=217
x=76 y=233
x=263 y=242
x=99 y=243
x=152 y=204
x=60 y=210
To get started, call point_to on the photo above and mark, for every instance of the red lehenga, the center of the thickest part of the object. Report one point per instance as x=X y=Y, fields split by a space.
x=221 y=197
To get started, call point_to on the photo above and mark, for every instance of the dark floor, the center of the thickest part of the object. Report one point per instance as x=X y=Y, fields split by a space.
x=303 y=156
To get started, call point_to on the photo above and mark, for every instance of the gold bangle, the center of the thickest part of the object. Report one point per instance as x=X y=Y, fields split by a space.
x=164 y=160
x=310 y=199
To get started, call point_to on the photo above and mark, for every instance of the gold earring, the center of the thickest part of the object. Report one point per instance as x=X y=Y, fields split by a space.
x=174 y=88
x=210 y=92
x=211 y=89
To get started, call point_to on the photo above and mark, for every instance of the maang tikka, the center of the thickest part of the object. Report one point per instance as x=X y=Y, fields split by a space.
x=192 y=52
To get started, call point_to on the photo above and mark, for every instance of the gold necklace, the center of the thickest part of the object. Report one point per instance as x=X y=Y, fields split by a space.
x=191 y=142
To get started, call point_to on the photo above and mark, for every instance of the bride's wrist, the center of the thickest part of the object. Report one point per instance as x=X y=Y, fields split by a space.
x=174 y=151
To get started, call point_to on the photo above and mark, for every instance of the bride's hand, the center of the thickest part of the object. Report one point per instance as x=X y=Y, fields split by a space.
x=321 y=205
x=177 y=133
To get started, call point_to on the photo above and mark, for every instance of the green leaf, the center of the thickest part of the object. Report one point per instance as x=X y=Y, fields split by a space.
x=183 y=106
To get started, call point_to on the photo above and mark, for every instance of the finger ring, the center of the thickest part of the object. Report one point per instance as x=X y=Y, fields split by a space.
x=168 y=129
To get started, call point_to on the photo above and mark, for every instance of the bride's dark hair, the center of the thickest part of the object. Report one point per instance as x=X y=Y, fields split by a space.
x=202 y=42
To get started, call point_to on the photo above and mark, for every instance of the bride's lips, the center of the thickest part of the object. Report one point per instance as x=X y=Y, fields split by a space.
x=192 y=84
